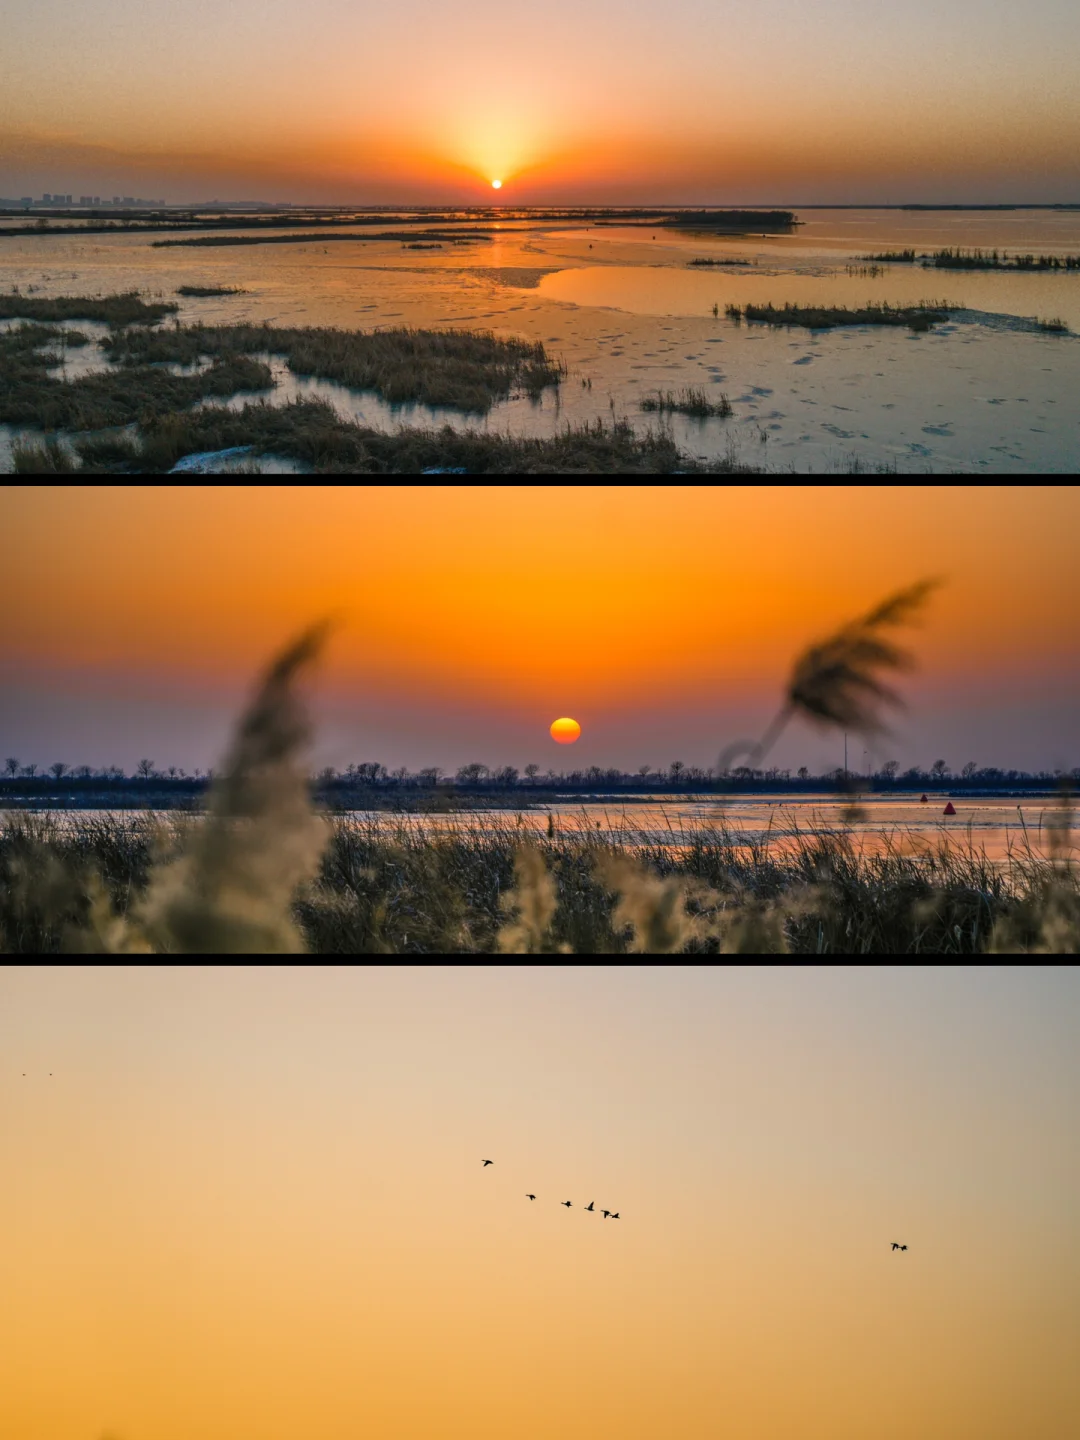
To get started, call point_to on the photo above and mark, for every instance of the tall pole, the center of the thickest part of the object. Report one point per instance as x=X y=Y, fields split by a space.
x=845 y=754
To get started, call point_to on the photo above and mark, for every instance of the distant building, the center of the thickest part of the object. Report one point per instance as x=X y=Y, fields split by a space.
x=46 y=199
x=27 y=200
x=86 y=200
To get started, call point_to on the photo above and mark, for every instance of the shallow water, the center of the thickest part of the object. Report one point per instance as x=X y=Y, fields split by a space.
x=996 y=827
x=981 y=395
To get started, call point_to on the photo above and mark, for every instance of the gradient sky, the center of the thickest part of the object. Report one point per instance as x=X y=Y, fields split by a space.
x=717 y=102
x=664 y=618
x=248 y=1204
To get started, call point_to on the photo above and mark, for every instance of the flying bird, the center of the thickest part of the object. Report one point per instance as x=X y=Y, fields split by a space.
x=897 y=1246
x=605 y=1213
x=616 y=1215
x=567 y=1203
x=487 y=1162
x=591 y=1205
x=530 y=1197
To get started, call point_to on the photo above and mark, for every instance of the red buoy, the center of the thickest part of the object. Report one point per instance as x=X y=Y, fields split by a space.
x=925 y=800
x=950 y=808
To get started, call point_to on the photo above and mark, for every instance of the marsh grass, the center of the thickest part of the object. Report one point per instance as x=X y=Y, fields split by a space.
x=114 y=310
x=891 y=257
x=48 y=457
x=914 y=317
x=468 y=370
x=29 y=395
x=206 y=291
x=312 y=433
x=689 y=401
x=384 y=887
x=1054 y=326
x=201 y=241
x=705 y=263
x=958 y=258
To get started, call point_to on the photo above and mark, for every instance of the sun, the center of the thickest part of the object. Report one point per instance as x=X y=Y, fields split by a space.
x=565 y=731
x=496 y=184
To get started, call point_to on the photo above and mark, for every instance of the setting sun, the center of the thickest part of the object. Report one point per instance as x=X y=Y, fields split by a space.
x=565 y=731
x=496 y=184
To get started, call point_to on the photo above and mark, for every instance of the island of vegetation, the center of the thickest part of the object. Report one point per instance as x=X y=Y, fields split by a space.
x=465 y=371
x=825 y=317
x=959 y=259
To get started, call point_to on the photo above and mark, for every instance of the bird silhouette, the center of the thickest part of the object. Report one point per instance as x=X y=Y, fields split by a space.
x=903 y=1247
x=591 y=1205
x=567 y=1203
x=616 y=1215
x=897 y=1246
x=605 y=1213
x=487 y=1162
x=530 y=1197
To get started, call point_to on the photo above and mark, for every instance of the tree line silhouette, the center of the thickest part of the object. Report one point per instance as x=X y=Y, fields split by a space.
x=373 y=781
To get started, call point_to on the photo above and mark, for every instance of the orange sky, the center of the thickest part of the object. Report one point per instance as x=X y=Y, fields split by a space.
x=477 y=614
x=249 y=1204
x=745 y=100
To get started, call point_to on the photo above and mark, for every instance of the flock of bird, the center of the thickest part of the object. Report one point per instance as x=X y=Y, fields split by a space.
x=614 y=1214
x=607 y=1214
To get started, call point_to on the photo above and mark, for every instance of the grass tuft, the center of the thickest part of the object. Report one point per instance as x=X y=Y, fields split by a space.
x=114 y=310
x=205 y=291
x=689 y=401
x=914 y=317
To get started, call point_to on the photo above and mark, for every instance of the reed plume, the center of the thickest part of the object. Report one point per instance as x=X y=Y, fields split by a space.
x=534 y=900
x=653 y=906
x=233 y=888
x=837 y=682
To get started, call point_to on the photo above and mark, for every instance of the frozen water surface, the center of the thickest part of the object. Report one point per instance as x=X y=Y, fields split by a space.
x=984 y=394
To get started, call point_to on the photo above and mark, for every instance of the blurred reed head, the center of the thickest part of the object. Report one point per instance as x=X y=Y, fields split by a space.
x=233 y=888
x=530 y=905
x=839 y=682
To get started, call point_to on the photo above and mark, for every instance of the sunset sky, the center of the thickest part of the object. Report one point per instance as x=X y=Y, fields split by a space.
x=248 y=1204
x=663 y=618
x=734 y=100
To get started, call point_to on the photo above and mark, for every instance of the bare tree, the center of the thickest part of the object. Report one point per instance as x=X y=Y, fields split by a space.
x=890 y=769
x=532 y=771
x=145 y=769
x=644 y=771
x=677 y=767
x=969 y=770
x=11 y=765
x=58 y=770
x=82 y=772
x=939 y=769
x=803 y=773
x=430 y=775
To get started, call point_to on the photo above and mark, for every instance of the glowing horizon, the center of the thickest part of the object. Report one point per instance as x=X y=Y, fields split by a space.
x=742 y=104
x=471 y=615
